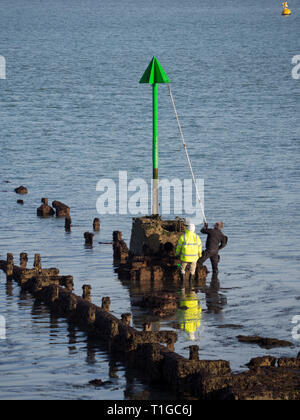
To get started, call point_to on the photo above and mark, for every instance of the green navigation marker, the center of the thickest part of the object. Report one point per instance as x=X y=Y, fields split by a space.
x=153 y=75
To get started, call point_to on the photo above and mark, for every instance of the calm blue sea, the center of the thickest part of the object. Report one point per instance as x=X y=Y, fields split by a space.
x=72 y=112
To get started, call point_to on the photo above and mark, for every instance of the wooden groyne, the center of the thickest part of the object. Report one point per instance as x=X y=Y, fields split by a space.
x=142 y=349
x=153 y=352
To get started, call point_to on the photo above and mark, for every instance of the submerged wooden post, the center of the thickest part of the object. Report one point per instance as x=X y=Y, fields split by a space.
x=86 y=295
x=68 y=221
x=106 y=303
x=96 y=225
x=37 y=262
x=69 y=283
x=23 y=260
x=45 y=210
x=126 y=318
x=194 y=352
x=10 y=266
x=89 y=238
x=72 y=303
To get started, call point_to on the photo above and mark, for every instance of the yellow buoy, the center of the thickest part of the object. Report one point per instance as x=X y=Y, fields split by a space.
x=286 y=11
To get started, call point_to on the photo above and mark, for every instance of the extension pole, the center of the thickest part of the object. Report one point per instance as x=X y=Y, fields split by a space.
x=187 y=154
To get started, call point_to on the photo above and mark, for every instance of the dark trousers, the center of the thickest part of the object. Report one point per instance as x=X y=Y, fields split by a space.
x=214 y=259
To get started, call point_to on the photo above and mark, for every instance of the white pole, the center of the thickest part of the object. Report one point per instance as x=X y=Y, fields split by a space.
x=187 y=154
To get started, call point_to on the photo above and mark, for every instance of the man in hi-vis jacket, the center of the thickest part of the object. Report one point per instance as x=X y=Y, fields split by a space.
x=190 y=250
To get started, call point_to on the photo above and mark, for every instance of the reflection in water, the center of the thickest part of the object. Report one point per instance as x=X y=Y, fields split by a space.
x=9 y=288
x=90 y=353
x=54 y=328
x=113 y=369
x=45 y=327
x=214 y=300
x=72 y=338
x=189 y=313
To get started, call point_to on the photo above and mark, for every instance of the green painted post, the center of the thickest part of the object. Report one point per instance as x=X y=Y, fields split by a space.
x=155 y=128
x=153 y=75
x=155 y=205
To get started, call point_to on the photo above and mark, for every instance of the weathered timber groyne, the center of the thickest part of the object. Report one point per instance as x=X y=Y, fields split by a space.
x=47 y=286
x=204 y=379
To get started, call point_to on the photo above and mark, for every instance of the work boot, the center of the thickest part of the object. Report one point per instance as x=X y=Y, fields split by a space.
x=191 y=280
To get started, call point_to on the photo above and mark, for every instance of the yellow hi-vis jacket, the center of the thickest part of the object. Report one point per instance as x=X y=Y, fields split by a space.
x=189 y=247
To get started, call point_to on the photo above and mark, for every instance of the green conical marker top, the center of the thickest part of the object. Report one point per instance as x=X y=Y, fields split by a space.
x=154 y=73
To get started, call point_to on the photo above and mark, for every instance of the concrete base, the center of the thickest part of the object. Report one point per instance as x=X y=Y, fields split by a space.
x=153 y=236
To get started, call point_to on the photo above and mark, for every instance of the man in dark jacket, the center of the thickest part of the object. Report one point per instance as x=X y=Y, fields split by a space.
x=216 y=240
